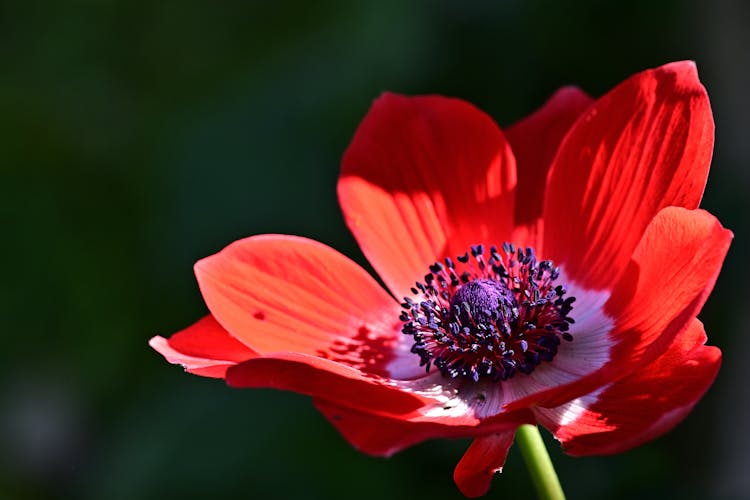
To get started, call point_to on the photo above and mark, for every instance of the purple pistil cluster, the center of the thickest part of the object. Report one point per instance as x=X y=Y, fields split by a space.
x=488 y=318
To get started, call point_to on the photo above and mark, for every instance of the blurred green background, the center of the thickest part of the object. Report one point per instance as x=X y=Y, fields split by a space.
x=138 y=137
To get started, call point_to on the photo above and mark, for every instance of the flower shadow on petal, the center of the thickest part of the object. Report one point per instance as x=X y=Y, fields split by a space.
x=366 y=351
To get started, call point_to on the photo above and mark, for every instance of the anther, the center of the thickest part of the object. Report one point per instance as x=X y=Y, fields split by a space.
x=493 y=319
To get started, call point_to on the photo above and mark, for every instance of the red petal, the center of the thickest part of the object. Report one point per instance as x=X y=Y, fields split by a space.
x=645 y=145
x=484 y=458
x=667 y=282
x=206 y=338
x=424 y=178
x=203 y=348
x=534 y=141
x=322 y=378
x=418 y=402
x=372 y=434
x=284 y=293
x=642 y=406
x=384 y=436
x=669 y=278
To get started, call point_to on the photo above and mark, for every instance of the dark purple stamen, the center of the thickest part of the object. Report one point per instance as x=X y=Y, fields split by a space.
x=493 y=318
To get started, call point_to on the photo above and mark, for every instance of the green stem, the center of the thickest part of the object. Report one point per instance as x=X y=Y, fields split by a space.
x=540 y=466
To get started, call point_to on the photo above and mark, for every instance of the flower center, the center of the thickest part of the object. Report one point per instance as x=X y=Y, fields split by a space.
x=488 y=318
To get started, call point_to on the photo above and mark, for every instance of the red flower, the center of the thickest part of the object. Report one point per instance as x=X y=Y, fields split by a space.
x=488 y=337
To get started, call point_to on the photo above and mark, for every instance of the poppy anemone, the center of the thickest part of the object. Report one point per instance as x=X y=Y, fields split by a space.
x=548 y=274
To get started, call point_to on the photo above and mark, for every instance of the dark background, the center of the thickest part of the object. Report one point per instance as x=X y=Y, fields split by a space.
x=137 y=137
